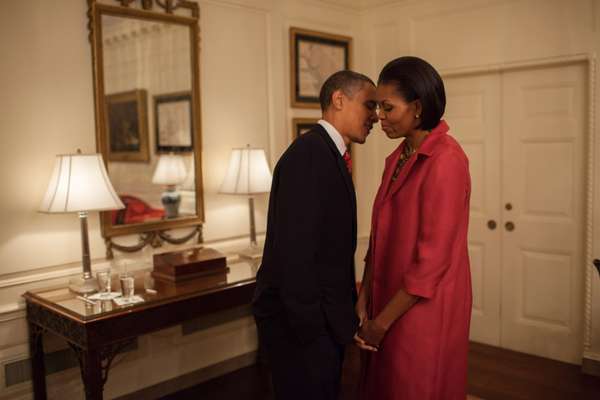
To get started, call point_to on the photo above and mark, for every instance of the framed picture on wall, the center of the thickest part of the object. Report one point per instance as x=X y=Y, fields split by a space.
x=173 y=124
x=127 y=124
x=314 y=56
x=302 y=125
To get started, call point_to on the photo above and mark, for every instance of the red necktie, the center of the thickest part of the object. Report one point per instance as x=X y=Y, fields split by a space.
x=348 y=161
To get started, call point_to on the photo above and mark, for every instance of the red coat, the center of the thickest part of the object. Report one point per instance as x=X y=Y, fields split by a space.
x=419 y=244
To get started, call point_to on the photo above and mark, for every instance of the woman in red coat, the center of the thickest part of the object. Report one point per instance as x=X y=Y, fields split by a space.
x=415 y=301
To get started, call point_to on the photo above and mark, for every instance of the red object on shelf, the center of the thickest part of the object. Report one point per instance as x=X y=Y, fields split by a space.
x=136 y=211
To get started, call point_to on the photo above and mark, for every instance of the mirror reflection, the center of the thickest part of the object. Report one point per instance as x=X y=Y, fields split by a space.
x=150 y=145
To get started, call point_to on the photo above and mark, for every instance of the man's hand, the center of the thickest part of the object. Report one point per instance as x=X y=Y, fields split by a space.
x=372 y=332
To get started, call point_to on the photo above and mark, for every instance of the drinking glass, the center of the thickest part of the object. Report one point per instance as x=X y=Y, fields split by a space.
x=127 y=285
x=103 y=278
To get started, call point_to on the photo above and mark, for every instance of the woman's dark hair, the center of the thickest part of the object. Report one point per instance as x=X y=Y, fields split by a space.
x=416 y=79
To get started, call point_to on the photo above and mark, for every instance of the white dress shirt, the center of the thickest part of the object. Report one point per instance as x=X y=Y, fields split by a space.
x=335 y=136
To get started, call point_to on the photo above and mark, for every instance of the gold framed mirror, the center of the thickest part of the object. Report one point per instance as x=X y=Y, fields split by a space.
x=145 y=57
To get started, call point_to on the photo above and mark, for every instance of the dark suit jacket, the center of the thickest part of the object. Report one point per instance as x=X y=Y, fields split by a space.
x=307 y=271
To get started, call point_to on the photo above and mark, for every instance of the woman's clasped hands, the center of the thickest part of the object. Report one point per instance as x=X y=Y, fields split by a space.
x=369 y=335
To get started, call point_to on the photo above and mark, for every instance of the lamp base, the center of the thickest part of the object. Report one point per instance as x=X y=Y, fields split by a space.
x=83 y=285
x=170 y=200
x=251 y=253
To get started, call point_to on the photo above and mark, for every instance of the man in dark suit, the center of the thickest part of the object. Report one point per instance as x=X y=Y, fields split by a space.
x=305 y=294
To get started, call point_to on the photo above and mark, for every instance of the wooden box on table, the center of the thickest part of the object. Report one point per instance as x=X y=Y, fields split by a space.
x=185 y=265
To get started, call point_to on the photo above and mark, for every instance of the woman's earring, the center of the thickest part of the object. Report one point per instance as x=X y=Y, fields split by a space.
x=417 y=116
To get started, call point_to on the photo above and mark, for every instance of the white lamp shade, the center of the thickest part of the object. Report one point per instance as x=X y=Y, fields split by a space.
x=248 y=172
x=170 y=170
x=79 y=182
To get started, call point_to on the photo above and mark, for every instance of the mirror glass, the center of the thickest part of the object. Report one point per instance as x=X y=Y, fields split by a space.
x=148 y=104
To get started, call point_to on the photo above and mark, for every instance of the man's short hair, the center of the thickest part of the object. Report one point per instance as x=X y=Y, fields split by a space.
x=347 y=81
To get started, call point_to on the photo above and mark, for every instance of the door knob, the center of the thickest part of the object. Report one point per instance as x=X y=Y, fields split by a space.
x=509 y=226
x=508 y=206
x=491 y=224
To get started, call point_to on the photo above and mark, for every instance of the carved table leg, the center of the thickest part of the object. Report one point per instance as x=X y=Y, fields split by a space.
x=38 y=369
x=91 y=373
x=95 y=365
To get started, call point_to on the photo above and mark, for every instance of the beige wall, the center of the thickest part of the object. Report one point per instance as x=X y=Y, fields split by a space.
x=47 y=104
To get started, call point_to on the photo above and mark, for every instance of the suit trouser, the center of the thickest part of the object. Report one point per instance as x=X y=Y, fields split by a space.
x=310 y=371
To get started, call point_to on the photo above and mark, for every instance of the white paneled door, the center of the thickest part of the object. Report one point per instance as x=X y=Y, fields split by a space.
x=473 y=105
x=524 y=133
x=543 y=125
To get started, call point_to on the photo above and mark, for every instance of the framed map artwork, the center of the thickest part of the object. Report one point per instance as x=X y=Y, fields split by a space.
x=314 y=56
x=173 y=122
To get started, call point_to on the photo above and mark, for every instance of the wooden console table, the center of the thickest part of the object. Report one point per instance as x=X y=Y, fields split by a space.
x=98 y=332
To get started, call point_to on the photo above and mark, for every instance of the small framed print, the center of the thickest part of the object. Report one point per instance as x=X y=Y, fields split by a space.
x=173 y=122
x=314 y=56
x=302 y=125
x=127 y=125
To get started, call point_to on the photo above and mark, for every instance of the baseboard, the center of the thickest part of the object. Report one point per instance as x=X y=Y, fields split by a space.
x=192 y=378
x=590 y=366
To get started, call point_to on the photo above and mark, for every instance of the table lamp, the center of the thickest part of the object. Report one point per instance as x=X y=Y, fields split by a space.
x=248 y=174
x=79 y=183
x=170 y=171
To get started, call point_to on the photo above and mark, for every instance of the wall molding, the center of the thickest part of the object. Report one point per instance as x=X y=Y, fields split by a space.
x=367 y=9
x=16 y=310
x=589 y=270
x=18 y=353
x=228 y=245
x=270 y=90
x=591 y=355
x=12 y=311
x=353 y=10
x=520 y=64
x=41 y=274
x=460 y=8
x=233 y=4
x=595 y=16
x=591 y=364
